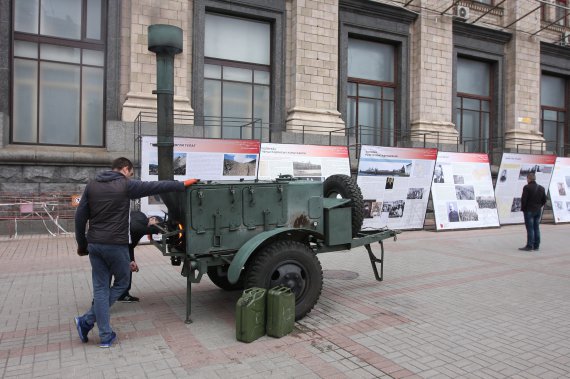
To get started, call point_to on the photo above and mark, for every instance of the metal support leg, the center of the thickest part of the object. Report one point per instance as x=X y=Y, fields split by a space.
x=374 y=261
x=188 y=299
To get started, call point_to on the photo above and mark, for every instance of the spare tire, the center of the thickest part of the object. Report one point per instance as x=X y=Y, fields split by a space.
x=345 y=187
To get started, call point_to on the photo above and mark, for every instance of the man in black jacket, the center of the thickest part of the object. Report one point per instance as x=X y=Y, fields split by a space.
x=105 y=204
x=140 y=226
x=532 y=200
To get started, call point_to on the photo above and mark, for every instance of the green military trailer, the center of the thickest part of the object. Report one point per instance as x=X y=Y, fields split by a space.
x=245 y=234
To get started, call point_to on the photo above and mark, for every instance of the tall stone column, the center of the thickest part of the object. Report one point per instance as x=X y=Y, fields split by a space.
x=312 y=66
x=138 y=67
x=431 y=73
x=523 y=75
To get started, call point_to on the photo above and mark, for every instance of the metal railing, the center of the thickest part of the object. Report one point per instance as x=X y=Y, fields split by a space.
x=49 y=208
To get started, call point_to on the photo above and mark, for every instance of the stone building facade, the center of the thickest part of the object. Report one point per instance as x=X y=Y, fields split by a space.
x=467 y=73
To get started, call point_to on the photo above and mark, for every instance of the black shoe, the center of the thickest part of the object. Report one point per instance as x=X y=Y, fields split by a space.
x=535 y=248
x=82 y=329
x=128 y=299
x=526 y=248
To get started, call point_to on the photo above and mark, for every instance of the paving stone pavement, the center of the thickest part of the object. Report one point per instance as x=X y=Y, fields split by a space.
x=460 y=304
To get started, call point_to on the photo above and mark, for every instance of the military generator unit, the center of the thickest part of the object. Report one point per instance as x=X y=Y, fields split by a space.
x=244 y=234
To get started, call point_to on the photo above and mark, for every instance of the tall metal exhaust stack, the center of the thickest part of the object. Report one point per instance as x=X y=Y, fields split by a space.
x=166 y=42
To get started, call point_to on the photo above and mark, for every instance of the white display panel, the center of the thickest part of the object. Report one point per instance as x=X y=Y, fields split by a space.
x=204 y=159
x=395 y=184
x=512 y=179
x=560 y=190
x=462 y=192
x=309 y=162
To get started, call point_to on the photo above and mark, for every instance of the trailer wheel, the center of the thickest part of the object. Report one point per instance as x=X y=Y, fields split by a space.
x=291 y=264
x=219 y=276
x=345 y=187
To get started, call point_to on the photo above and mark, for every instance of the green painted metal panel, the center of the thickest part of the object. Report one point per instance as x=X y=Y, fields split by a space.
x=264 y=205
x=338 y=226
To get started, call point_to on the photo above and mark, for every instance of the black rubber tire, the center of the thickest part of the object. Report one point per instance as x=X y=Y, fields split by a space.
x=291 y=264
x=220 y=278
x=347 y=188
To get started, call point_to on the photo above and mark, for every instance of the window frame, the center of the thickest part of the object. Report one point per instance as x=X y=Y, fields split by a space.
x=565 y=124
x=380 y=84
x=274 y=13
x=482 y=44
x=555 y=61
x=235 y=64
x=384 y=24
x=83 y=43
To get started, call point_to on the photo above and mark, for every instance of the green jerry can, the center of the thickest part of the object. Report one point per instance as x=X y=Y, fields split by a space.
x=250 y=314
x=280 y=311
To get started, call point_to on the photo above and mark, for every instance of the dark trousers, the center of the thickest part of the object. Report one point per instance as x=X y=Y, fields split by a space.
x=532 y=223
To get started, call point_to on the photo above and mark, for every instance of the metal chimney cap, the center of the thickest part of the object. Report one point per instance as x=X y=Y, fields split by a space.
x=165 y=39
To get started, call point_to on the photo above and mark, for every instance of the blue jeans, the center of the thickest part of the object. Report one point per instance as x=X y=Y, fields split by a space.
x=532 y=223
x=106 y=261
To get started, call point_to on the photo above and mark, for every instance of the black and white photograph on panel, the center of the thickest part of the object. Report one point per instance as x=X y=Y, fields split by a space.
x=458 y=179
x=385 y=167
x=465 y=192
x=306 y=168
x=468 y=214
x=396 y=209
x=561 y=189
x=516 y=205
x=438 y=176
x=452 y=213
x=389 y=183
x=367 y=210
x=486 y=202
x=415 y=193
x=527 y=169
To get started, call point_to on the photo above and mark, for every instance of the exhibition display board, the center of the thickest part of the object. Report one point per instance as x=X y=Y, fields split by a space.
x=395 y=184
x=462 y=192
x=309 y=162
x=560 y=190
x=512 y=178
x=204 y=159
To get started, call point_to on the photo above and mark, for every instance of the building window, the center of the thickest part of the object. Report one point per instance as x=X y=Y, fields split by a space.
x=473 y=103
x=237 y=71
x=553 y=112
x=371 y=100
x=561 y=13
x=488 y=2
x=58 y=72
x=556 y=12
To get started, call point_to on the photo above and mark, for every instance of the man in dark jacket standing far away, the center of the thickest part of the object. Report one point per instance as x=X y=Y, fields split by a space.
x=105 y=204
x=532 y=200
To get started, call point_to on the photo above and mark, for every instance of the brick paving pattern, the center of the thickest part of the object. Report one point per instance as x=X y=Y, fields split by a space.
x=462 y=304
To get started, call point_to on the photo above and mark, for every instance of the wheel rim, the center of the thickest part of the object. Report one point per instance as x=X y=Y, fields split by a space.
x=334 y=195
x=292 y=275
